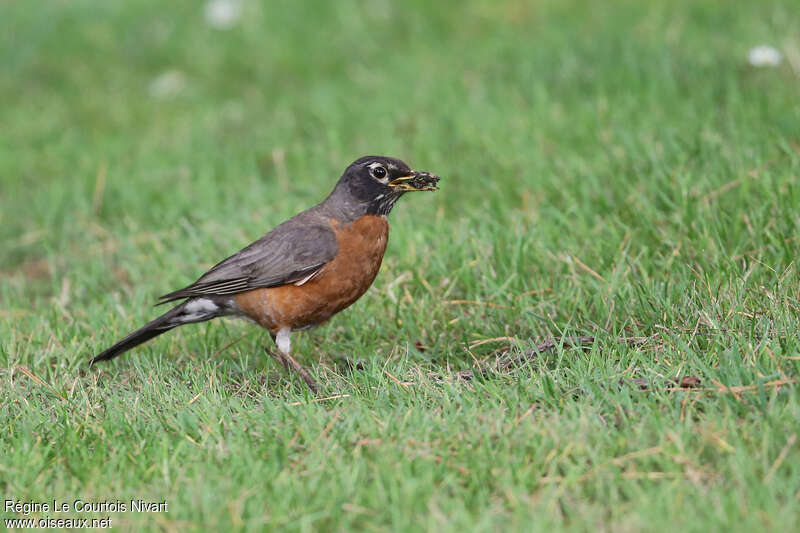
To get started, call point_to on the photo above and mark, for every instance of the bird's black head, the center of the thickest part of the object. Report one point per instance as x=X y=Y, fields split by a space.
x=374 y=183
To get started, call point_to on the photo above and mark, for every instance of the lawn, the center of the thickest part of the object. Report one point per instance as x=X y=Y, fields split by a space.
x=616 y=171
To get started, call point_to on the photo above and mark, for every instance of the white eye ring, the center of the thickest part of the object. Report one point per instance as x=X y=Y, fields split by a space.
x=377 y=171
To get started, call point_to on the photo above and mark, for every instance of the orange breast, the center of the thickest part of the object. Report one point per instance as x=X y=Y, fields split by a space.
x=337 y=285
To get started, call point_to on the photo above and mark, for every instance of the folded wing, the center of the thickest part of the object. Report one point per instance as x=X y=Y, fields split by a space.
x=288 y=254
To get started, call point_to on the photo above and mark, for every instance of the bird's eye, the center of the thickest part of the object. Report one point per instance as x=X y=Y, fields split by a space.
x=379 y=173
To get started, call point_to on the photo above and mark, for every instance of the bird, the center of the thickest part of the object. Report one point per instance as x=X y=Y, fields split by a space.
x=305 y=270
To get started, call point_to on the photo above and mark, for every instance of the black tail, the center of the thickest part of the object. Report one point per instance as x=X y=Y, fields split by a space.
x=177 y=316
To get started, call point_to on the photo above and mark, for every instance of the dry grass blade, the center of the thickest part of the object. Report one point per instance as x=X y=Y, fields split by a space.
x=572 y=342
x=481 y=342
x=624 y=475
x=473 y=302
x=506 y=361
x=327 y=427
x=781 y=456
x=317 y=400
x=401 y=383
x=725 y=389
x=36 y=379
x=587 y=268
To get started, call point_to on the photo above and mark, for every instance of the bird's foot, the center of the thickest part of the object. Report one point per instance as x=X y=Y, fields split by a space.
x=290 y=364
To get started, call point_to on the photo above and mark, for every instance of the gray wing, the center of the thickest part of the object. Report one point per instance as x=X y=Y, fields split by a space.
x=288 y=254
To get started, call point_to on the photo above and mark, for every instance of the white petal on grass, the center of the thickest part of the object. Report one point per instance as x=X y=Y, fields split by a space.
x=223 y=14
x=167 y=84
x=764 y=56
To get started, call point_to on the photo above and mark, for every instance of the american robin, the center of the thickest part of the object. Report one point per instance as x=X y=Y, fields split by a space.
x=305 y=270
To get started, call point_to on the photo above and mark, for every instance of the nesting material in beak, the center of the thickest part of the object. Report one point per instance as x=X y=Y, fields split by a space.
x=416 y=181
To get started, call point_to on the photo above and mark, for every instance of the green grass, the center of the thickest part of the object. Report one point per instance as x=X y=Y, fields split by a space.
x=608 y=169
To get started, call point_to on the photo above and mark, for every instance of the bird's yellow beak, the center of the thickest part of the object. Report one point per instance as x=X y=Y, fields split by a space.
x=416 y=181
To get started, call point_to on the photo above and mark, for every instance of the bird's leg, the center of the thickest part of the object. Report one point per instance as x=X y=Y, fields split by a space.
x=285 y=358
